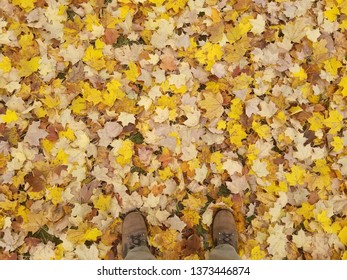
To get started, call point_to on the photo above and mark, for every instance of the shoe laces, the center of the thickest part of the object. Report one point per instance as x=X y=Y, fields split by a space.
x=226 y=238
x=137 y=239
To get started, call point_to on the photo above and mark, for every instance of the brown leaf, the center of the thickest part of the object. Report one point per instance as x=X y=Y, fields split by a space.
x=111 y=36
x=157 y=189
x=32 y=241
x=8 y=256
x=192 y=244
x=216 y=31
x=168 y=60
x=77 y=73
x=313 y=197
x=108 y=237
x=36 y=183
x=87 y=191
x=242 y=5
x=165 y=158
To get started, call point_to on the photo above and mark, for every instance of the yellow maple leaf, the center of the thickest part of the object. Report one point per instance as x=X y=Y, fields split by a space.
x=133 y=72
x=332 y=13
x=263 y=130
x=190 y=217
x=276 y=188
x=99 y=44
x=242 y=81
x=102 y=202
x=316 y=121
x=237 y=133
x=125 y=152
x=213 y=104
x=94 y=58
x=332 y=65
x=221 y=125
x=193 y=203
x=334 y=121
x=23 y=212
x=54 y=194
x=8 y=205
x=27 y=67
x=164 y=240
x=90 y=20
x=61 y=157
x=26 y=5
x=236 y=109
x=239 y=30
x=26 y=41
x=47 y=145
x=91 y=94
x=208 y=54
x=176 y=5
x=337 y=143
x=343 y=84
x=296 y=176
x=10 y=116
x=59 y=252
x=257 y=253
x=68 y=134
x=343 y=235
x=326 y=223
x=78 y=106
x=51 y=102
x=321 y=166
x=165 y=173
x=216 y=158
x=5 y=64
x=83 y=233
x=92 y=234
x=112 y=93
x=306 y=210
x=300 y=73
x=343 y=25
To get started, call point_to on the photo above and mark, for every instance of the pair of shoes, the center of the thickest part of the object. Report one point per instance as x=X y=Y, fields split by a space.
x=134 y=231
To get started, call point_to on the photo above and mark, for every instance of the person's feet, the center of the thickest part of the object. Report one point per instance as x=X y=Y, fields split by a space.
x=224 y=229
x=134 y=232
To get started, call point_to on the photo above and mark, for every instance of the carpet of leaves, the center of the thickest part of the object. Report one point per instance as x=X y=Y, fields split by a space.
x=176 y=108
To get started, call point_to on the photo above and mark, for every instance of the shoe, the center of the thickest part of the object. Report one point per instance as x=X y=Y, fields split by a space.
x=134 y=232
x=224 y=229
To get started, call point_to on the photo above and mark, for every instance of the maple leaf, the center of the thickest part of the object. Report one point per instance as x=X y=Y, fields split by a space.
x=258 y=24
x=296 y=176
x=133 y=72
x=27 y=5
x=213 y=104
x=343 y=235
x=34 y=134
x=277 y=242
x=5 y=64
x=295 y=31
x=257 y=253
x=87 y=253
x=110 y=131
x=334 y=121
x=27 y=67
x=10 y=116
x=190 y=217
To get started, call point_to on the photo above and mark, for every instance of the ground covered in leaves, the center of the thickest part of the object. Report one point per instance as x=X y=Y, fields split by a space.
x=176 y=108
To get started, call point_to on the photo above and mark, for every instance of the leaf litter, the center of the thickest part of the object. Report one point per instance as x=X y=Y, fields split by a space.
x=175 y=108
